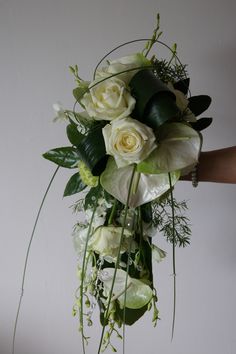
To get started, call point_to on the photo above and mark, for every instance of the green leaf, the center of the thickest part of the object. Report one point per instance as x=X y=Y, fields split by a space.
x=73 y=134
x=63 y=156
x=79 y=92
x=201 y=124
x=74 y=185
x=92 y=151
x=160 y=109
x=199 y=104
x=182 y=85
x=155 y=103
x=131 y=315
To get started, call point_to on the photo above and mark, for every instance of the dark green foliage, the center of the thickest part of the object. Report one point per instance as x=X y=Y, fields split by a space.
x=199 y=104
x=73 y=134
x=170 y=73
x=92 y=151
x=75 y=185
x=155 y=103
x=201 y=123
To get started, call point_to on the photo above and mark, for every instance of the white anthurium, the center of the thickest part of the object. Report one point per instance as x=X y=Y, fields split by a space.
x=138 y=294
x=148 y=187
x=137 y=60
x=178 y=149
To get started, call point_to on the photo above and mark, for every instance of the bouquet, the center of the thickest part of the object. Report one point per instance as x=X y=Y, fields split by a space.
x=135 y=134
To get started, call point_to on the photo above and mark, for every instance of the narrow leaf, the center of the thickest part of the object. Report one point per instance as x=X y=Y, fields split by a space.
x=73 y=134
x=75 y=185
x=63 y=156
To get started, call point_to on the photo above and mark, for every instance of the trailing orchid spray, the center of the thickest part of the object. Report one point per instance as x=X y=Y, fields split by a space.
x=136 y=133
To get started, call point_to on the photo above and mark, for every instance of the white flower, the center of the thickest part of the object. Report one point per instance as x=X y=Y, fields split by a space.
x=106 y=240
x=108 y=100
x=59 y=111
x=132 y=61
x=129 y=141
x=157 y=253
x=80 y=235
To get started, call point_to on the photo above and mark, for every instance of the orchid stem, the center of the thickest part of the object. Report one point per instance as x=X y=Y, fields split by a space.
x=106 y=315
x=173 y=257
x=113 y=210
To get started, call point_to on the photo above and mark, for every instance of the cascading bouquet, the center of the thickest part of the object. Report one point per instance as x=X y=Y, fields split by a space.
x=136 y=135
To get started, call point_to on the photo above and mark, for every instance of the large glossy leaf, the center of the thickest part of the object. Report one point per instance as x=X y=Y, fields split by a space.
x=155 y=103
x=201 y=123
x=160 y=109
x=73 y=134
x=116 y=181
x=179 y=147
x=199 y=104
x=75 y=185
x=63 y=156
x=131 y=315
x=138 y=294
x=92 y=151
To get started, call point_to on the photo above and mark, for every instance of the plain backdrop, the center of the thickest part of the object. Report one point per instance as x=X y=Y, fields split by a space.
x=39 y=39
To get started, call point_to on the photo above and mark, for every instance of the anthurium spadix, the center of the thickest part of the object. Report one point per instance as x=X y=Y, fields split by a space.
x=178 y=148
x=146 y=187
x=138 y=294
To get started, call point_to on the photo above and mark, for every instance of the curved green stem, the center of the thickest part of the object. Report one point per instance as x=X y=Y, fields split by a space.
x=173 y=256
x=27 y=258
x=135 y=41
x=125 y=290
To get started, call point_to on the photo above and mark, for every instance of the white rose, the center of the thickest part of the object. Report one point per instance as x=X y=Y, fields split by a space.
x=106 y=241
x=128 y=141
x=108 y=100
x=132 y=61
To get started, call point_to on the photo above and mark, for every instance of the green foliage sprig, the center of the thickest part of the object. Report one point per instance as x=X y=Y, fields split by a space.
x=162 y=219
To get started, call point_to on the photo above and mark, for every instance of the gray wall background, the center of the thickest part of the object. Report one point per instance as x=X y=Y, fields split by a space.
x=38 y=41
